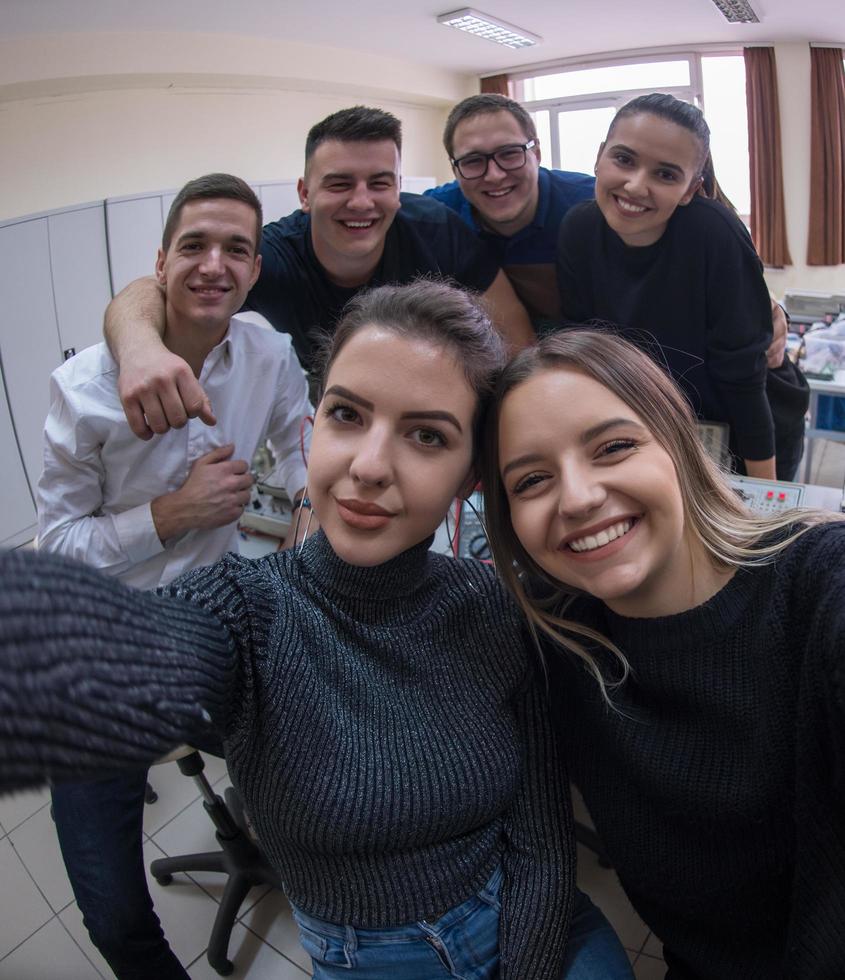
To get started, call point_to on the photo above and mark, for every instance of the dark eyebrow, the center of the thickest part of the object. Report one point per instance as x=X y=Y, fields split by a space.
x=435 y=416
x=521 y=461
x=196 y=235
x=343 y=176
x=586 y=437
x=661 y=163
x=597 y=430
x=349 y=396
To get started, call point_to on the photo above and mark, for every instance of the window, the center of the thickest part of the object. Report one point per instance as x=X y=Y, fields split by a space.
x=572 y=108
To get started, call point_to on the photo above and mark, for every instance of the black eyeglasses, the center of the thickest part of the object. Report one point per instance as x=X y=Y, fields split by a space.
x=474 y=165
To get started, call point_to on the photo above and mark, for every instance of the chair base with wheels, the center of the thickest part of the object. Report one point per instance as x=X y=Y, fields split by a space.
x=239 y=858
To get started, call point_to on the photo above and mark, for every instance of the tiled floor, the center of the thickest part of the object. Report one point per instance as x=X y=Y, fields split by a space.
x=41 y=931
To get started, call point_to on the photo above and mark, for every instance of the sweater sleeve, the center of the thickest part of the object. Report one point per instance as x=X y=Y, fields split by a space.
x=739 y=330
x=97 y=676
x=539 y=858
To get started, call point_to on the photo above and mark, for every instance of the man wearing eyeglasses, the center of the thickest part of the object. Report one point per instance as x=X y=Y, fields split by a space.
x=516 y=206
x=504 y=194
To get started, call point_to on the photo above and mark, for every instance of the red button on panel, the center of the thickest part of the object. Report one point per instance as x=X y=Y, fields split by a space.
x=770 y=495
x=781 y=496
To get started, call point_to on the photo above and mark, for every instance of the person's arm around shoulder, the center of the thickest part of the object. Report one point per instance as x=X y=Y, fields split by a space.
x=780 y=328
x=158 y=389
x=507 y=313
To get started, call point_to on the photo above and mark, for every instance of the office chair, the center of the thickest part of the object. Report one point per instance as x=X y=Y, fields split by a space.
x=239 y=858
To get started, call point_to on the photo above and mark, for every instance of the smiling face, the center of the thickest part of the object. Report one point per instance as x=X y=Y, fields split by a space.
x=647 y=167
x=209 y=266
x=392 y=444
x=351 y=191
x=506 y=200
x=594 y=499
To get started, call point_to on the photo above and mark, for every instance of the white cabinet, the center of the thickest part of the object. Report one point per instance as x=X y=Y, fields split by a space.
x=30 y=347
x=80 y=270
x=134 y=228
x=17 y=511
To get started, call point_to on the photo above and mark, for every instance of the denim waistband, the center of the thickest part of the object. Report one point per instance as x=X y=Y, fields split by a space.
x=489 y=894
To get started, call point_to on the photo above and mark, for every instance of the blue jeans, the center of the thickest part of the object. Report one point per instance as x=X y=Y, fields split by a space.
x=463 y=944
x=99 y=825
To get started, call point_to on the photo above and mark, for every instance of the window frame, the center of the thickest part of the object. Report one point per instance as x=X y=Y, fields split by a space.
x=693 y=92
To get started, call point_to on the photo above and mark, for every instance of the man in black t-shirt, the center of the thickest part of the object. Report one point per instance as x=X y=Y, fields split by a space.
x=354 y=230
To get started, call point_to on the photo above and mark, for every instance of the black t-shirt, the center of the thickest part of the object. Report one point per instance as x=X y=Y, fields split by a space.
x=426 y=238
x=698 y=291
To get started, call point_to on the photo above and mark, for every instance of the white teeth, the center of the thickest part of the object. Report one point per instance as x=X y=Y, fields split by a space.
x=358 y=224
x=628 y=206
x=499 y=193
x=590 y=542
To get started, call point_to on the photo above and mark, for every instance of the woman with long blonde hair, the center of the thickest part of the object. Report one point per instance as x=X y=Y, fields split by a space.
x=697 y=651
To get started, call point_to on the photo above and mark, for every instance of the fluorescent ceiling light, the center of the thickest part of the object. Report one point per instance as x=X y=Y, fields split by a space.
x=737 y=11
x=483 y=25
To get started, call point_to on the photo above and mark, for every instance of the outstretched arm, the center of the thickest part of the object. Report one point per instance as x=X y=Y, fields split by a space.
x=95 y=676
x=158 y=389
x=539 y=857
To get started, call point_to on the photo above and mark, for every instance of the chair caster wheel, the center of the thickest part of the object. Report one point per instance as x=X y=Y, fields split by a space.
x=164 y=879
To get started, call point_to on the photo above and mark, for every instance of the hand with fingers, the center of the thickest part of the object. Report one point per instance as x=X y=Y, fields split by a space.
x=214 y=494
x=159 y=392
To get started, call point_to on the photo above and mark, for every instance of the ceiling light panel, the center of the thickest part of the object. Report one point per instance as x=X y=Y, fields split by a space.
x=483 y=25
x=737 y=11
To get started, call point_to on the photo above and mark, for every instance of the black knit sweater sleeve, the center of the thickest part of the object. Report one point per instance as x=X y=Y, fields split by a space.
x=739 y=322
x=539 y=857
x=96 y=676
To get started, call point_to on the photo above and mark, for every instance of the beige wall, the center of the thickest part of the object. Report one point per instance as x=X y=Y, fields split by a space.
x=90 y=116
x=793 y=66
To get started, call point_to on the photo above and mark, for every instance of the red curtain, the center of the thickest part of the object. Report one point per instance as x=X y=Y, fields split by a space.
x=768 y=215
x=826 y=238
x=497 y=84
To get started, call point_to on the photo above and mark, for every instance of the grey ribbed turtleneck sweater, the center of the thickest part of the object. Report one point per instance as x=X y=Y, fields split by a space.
x=382 y=725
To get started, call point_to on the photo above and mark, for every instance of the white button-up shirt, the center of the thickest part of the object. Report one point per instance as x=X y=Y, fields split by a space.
x=99 y=479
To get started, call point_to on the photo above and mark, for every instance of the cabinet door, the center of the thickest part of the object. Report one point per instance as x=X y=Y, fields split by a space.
x=29 y=339
x=134 y=229
x=17 y=511
x=80 y=265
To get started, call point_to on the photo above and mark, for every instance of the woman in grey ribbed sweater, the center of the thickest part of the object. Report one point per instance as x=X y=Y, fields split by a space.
x=381 y=717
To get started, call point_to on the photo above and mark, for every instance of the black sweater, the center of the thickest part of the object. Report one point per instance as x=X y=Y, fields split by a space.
x=382 y=725
x=718 y=787
x=698 y=291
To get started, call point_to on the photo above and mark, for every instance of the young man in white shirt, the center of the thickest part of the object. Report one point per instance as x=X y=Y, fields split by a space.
x=146 y=511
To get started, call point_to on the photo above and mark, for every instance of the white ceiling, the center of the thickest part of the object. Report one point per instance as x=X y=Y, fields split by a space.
x=407 y=28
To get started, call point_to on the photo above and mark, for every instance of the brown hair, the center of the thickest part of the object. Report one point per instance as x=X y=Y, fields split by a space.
x=224 y=186
x=433 y=311
x=730 y=534
x=487 y=102
x=360 y=124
